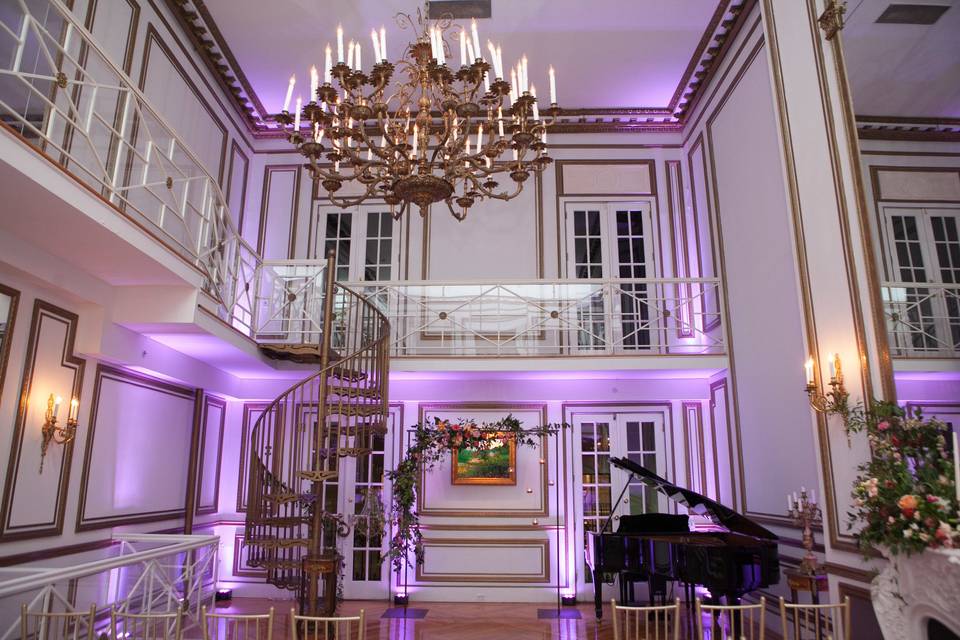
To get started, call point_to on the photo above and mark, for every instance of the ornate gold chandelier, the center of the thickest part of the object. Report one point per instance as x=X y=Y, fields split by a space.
x=438 y=135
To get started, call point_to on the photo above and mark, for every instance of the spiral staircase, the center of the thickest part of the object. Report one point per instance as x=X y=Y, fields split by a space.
x=292 y=525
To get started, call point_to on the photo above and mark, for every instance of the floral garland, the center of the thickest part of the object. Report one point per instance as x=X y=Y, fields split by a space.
x=430 y=444
x=904 y=495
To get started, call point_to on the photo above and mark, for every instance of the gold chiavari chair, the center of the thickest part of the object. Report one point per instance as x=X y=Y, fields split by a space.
x=815 y=621
x=231 y=626
x=310 y=628
x=731 y=622
x=646 y=623
x=77 y=625
x=146 y=626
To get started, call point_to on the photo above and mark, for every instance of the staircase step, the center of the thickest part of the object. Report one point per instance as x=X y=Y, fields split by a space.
x=280 y=543
x=280 y=565
x=356 y=410
x=279 y=521
x=317 y=475
x=356 y=392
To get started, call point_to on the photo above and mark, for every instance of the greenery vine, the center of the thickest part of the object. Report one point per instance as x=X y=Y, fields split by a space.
x=430 y=443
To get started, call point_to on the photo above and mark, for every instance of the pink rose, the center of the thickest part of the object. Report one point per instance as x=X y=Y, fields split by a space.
x=883 y=426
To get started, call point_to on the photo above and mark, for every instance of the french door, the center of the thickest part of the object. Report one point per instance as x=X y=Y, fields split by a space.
x=613 y=240
x=923 y=247
x=637 y=436
x=361 y=237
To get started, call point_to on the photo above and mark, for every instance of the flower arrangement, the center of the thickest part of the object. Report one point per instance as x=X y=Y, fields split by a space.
x=905 y=495
x=430 y=443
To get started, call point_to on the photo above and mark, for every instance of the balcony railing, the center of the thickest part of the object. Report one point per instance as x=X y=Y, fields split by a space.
x=61 y=92
x=146 y=573
x=923 y=320
x=540 y=318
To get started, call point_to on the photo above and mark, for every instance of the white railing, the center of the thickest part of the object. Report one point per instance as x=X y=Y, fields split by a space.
x=288 y=303
x=61 y=92
x=141 y=573
x=923 y=319
x=538 y=318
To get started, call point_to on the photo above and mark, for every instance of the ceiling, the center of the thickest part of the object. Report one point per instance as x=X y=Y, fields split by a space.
x=608 y=53
x=903 y=70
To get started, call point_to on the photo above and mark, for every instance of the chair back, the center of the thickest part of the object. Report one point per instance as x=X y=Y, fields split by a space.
x=731 y=622
x=232 y=626
x=76 y=625
x=815 y=621
x=646 y=623
x=147 y=626
x=312 y=628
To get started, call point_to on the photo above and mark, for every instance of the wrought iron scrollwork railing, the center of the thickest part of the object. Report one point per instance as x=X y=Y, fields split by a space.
x=61 y=92
x=551 y=317
x=299 y=439
x=923 y=319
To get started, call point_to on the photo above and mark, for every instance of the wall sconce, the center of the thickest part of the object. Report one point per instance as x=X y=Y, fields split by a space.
x=51 y=432
x=836 y=400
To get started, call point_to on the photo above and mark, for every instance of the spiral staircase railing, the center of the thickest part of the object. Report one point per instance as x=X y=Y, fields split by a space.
x=292 y=525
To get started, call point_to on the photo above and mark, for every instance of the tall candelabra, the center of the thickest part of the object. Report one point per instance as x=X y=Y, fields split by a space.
x=805 y=513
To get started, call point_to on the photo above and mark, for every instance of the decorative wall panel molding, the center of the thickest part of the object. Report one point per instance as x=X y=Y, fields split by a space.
x=8 y=320
x=136 y=471
x=490 y=560
x=211 y=455
x=251 y=412
x=34 y=503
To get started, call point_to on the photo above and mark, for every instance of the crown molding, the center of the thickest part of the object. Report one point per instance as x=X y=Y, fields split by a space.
x=196 y=20
x=923 y=129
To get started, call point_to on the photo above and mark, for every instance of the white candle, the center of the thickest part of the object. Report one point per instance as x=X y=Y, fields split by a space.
x=499 y=62
x=471 y=52
x=536 y=109
x=514 y=154
x=350 y=54
x=336 y=167
x=956 y=465
x=813 y=496
x=500 y=121
x=416 y=139
x=833 y=370
x=376 y=46
x=383 y=42
x=314 y=82
x=74 y=409
x=327 y=65
x=433 y=43
x=796 y=500
x=514 y=89
x=463 y=48
x=286 y=100
x=339 y=43
x=808 y=370
x=789 y=504
x=493 y=60
x=56 y=405
x=476 y=38
x=441 y=55
x=526 y=76
x=553 y=86
x=543 y=137
x=359 y=66
x=479 y=136
x=296 y=116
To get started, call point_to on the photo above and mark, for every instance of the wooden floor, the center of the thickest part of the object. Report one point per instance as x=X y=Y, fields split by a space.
x=449 y=621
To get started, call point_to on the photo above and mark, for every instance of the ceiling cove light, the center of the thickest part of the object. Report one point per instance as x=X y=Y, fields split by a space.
x=439 y=133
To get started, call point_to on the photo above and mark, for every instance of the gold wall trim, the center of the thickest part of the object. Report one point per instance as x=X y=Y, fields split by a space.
x=492 y=544
x=544 y=508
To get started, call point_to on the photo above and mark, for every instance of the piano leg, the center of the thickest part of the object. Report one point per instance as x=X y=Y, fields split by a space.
x=598 y=593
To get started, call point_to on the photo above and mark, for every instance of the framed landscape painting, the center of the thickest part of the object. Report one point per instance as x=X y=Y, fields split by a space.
x=496 y=465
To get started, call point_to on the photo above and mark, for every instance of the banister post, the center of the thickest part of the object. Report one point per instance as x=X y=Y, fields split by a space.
x=312 y=563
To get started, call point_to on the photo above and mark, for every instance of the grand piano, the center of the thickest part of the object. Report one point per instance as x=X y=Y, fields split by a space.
x=730 y=557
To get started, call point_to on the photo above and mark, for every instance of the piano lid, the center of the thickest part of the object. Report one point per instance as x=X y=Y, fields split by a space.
x=698 y=503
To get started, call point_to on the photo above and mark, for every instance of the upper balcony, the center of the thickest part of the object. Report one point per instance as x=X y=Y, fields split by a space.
x=61 y=94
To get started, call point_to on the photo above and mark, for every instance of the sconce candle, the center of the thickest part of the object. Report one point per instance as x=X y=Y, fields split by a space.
x=808 y=370
x=51 y=431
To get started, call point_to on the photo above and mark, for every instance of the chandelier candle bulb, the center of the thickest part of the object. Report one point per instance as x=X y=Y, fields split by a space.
x=350 y=54
x=296 y=116
x=536 y=109
x=479 y=136
x=383 y=43
x=314 y=82
x=327 y=65
x=433 y=43
x=499 y=62
x=553 y=85
x=463 y=48
x=476 y=38
x=376 y=46
x=359 y=65
x=526 y=77
x=289 y=96
x=493 y=59
x=340 y=44
x=500 y=121
x=416 y=139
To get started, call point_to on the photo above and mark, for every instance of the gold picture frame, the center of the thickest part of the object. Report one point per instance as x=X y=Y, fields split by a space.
x=493 y=466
